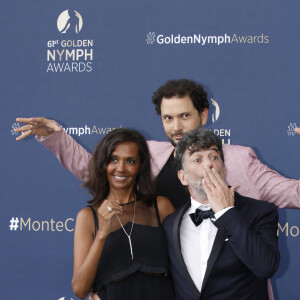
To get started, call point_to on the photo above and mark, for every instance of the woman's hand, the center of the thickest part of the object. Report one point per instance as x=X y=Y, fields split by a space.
x=106 y=211
x=37 y=126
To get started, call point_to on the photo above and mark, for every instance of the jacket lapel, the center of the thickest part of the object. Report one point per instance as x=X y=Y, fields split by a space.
x=217 y=246
x=160 y=153
x=177 y=247
x=215 y=251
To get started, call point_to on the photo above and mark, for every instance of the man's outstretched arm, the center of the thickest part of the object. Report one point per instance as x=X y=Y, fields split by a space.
x=70 y=154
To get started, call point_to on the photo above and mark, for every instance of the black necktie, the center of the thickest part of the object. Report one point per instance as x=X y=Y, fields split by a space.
x=199 y=215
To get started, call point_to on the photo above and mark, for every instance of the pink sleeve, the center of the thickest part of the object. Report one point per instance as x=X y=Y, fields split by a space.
x=70 y=154
x=256 y=180
x=270 y=290
x=277 y=189
x=160 y=153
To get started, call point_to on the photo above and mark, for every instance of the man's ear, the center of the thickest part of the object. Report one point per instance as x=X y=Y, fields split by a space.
x=182 y=177
x=204 y=116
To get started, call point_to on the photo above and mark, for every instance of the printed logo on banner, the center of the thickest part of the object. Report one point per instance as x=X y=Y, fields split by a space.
x=288 y=230
x=14 y=224
x=150 y=38
x=89 y=130
x=291 y=129
x=203 y=39
x=28 y=224
x=15 y=126
x=69 y=21
x=64 y=298
x=78 y=131
x=69 y=55
x=223 y=133
x=215 y=115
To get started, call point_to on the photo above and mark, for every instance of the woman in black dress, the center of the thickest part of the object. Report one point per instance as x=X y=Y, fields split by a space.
x=120 y=251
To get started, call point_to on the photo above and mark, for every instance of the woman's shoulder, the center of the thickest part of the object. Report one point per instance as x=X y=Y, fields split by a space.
x=85 y=217
x=165 y=207
x=85 y=212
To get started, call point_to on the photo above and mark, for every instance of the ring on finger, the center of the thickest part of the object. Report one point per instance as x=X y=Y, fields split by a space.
x=109 y=208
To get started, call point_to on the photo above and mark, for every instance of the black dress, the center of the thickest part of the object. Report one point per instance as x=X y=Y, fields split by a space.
x=146 y=276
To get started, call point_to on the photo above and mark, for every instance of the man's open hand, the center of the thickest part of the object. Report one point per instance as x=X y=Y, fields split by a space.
x=37 y=126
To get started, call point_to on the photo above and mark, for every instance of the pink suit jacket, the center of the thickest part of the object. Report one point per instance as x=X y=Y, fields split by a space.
x=243 y=169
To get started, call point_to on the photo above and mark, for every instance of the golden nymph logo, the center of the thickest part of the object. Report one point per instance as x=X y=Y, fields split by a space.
x=69 y=21
x=69 y=54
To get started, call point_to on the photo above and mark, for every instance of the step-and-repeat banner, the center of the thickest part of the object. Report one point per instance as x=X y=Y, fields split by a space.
x=93 y=66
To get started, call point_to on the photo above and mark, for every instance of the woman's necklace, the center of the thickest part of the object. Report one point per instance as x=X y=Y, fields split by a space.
x=129 y=235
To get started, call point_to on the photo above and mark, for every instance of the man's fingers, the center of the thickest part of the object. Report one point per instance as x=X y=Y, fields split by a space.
x=39 y=126
x=39 y=120
x=25 y=120
x=219 y=178
x=23 y=128
x=211 y=178
x=23 y=135
x=215 y=178
x=297 y=130
x=28 y=129
x=208 y=182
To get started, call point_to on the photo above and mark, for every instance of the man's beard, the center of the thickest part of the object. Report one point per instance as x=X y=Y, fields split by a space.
x=172 y=135
x=196 y=186
x=170 y=138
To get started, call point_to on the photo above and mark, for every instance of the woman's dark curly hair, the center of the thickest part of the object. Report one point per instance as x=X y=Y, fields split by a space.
x=98 y=184
x=181 y=88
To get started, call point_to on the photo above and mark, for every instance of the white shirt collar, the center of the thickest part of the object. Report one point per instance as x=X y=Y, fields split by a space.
x=195 y=204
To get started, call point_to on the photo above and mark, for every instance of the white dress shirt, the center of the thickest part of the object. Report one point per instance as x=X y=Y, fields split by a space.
x=196 y=242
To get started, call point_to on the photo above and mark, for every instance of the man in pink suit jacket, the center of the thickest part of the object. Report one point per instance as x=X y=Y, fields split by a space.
x=180 y=113
x=183 y=106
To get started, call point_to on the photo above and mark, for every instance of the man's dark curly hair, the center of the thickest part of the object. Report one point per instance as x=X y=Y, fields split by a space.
x=196 y=140
x=181 y=88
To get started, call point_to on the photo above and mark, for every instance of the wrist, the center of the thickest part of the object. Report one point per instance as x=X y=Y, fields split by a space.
x=101 y=236
x=222 y=212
